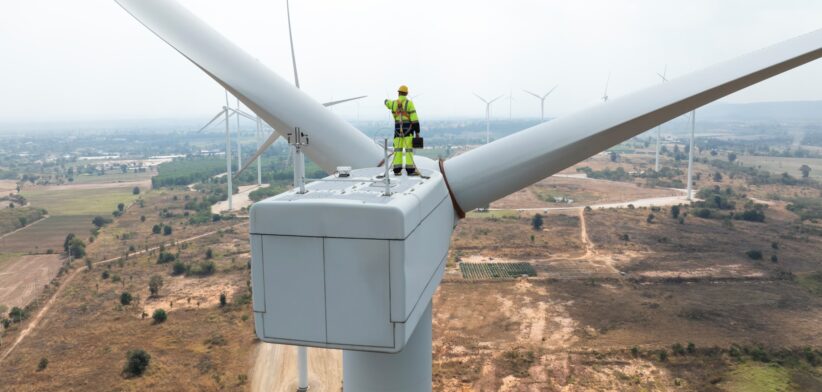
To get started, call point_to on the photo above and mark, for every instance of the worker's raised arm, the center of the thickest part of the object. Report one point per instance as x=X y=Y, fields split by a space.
x=389 y=104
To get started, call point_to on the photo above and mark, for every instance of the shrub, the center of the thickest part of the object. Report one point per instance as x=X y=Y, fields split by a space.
x=663 y=356
x=754 y=254
x=650 y=218
x=691 y=348
x=121 y=207
x=677 y=349
x=675 y=212
x=178 y=268
x=774 y=245
x=104 y=275
x=135 y=190
x=774 y=259
x=99 y=221
x=159 y=316
x=156 y=229
x=222 y=299
x=44 y=362
x=136 y=363
x=166 y=230
x=165 y=257
x=154 y=285
x=209 y=253
x=125 y=298
x=635 y=351
x=536 y=222
x=203 y=269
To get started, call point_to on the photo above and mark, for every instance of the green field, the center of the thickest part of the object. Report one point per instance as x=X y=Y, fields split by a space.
x=494 y=214
x=48 y=234
x=80 y=201
x=755 y=377
x=779 y=165
x=10 y=218
x=111 y=177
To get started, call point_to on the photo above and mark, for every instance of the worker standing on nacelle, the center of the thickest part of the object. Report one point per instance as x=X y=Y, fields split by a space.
x=406 y=127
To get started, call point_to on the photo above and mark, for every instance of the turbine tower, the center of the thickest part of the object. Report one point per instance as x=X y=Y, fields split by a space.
x=605 y=93
x=487 y=116
x=659 y=127
x=691 y=155
x=366 y=262
x=541 y=99
x=225 y=114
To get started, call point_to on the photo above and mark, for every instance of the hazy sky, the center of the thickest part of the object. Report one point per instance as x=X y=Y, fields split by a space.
x=88 y=59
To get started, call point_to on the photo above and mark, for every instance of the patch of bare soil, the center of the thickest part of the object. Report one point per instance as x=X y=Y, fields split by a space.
x=275 y=369
x=180 y=293
x=582 y=191
x=23 y=277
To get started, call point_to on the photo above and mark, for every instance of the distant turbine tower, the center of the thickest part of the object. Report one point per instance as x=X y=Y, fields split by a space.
x=510 y=105
x=227 y=112
x=542 y=101
x=659 y=128
x=605 y=94
x=487 y=116
x=239 y=149
x=691 y=154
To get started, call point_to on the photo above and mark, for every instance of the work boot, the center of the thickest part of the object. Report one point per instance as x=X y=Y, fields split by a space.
x=397 y=172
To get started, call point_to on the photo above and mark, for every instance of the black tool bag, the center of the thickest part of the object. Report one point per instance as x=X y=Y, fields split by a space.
x=417 y=142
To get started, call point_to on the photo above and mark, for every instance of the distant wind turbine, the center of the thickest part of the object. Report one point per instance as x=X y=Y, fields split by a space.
x=541 y=99
x=487 y=115
x=605 y=94
x=659 y=128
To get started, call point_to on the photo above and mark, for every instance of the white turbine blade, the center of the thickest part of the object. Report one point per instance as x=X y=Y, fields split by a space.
x=549 y=92
x=481 y=98
x=494 y=170
x=291 y=41
x=661 y=76
x=243 y=114
x=492 y=101
x=535 y=95
x=334 y=142
x=332 y=103
x=268 y=142
x=216 y=116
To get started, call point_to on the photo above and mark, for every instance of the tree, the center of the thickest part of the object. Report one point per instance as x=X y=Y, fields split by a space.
x=732 y=157
x=68 y=239
x=156 y=229
x=223 y=300
x=614 y=156
x=166 y=230
x=135 y=190
x=209 y=253
x=754 y=254
x=77 y=248
x=806 y=171
x=675 y=212
x=23 y=221
x=536 y=222
x=178 y=268
x=17 y=314
x=99 y=221
x=121 y=207
x=44 y=362
x=136 y=363
x=717 y=177
x=165 y=257
x=142 y=218
x=650 y=218
x=159 y=316
x=125 y=298
x=155 y=283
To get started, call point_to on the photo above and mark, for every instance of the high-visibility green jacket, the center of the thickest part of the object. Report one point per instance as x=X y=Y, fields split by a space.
x=403 y=109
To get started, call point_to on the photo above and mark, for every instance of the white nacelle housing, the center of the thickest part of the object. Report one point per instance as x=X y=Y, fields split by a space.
x=343 y=266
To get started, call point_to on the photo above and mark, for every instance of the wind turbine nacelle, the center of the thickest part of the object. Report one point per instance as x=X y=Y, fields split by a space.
x=344 y=266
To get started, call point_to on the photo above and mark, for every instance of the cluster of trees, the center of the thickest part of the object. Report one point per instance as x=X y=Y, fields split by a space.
x=74 y=246
x=715 y=200
x=808 y=208
x=181 y=172
x=618 y=174
x=161 y=228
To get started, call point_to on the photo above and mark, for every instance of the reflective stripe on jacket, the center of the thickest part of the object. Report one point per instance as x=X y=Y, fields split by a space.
x=403 y=109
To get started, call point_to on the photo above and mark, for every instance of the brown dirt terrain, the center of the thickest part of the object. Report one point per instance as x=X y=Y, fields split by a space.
x=582 y=191
x=22 y=277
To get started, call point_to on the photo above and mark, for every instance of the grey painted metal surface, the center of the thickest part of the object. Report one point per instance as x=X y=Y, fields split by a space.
x=275 y=100
x=365 y=264
x=407 y=371
x=495 y=170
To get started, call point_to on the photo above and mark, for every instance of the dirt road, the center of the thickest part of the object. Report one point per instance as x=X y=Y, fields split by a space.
x=239 y=199
x=35 y=321
x=275 y=369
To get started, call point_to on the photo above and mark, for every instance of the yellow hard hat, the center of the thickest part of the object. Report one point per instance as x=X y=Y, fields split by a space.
x=403 y=89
